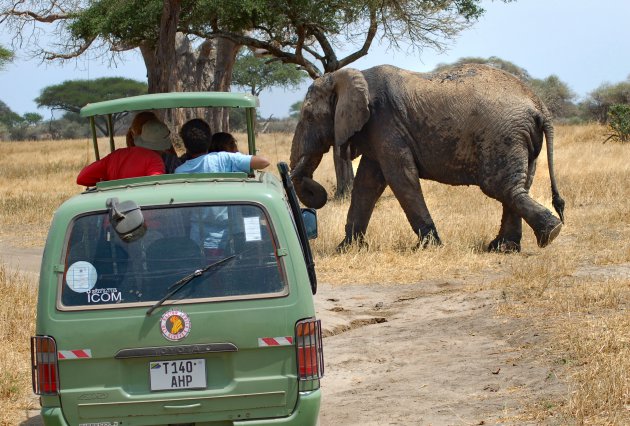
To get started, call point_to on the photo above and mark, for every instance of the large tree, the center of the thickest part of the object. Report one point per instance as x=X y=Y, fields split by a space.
x=309 y=34
x=72 y=95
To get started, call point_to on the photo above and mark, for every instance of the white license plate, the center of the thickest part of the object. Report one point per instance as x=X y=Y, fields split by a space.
x=178 y=374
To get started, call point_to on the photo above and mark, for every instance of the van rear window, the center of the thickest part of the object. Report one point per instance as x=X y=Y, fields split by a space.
x=103 y=271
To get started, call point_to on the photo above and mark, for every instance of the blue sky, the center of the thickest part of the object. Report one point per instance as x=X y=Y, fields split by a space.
x=584 y=42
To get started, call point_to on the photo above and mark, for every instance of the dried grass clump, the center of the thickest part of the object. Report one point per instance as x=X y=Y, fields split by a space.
x=17 y=316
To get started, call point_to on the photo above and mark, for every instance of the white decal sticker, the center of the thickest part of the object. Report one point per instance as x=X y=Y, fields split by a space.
x=252 y=228
x=104 y=295
x=81 y=277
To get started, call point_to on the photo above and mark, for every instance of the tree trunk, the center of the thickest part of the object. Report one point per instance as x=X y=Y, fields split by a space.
x=225 y=58
x=343 y=172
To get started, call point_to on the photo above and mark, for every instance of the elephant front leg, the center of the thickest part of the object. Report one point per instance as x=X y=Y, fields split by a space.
x=404 y=180
x=509 y=238
x=368 y=186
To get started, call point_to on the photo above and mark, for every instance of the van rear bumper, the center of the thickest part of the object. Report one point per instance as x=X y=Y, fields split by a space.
x=305 y=413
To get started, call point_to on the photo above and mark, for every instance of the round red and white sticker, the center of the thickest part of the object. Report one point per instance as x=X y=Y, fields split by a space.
x=175 y=325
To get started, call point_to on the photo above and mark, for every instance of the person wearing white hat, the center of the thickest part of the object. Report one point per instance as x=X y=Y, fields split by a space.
x=143 y=159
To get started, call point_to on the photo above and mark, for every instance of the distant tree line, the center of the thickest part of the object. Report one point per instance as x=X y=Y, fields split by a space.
x=607 y=104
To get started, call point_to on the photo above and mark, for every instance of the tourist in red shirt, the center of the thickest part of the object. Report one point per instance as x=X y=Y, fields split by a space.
x=141 y=160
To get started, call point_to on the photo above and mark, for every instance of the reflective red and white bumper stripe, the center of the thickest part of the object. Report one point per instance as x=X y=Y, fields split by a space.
x=75 y=354
x=275 y=341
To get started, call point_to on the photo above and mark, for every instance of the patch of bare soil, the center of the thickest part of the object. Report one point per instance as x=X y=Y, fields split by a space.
x=430 y=354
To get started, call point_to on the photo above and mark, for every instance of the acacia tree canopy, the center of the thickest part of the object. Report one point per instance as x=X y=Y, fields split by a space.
x=257 y=74
x=302 y=32
x=72 y=95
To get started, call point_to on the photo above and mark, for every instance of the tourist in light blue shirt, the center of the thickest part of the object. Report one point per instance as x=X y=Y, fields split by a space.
x=207 y=228
x=196 y=136
x=217 y=162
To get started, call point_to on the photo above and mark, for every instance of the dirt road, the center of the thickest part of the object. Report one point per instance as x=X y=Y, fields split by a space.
x=431 y=353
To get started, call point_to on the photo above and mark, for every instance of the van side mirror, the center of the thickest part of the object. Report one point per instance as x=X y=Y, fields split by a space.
x=126 y=219
x=309 y=216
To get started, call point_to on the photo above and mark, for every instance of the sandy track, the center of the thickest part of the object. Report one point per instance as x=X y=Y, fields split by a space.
x=431 y=353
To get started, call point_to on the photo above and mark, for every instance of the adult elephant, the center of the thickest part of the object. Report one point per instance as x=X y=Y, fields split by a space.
x=470 y=125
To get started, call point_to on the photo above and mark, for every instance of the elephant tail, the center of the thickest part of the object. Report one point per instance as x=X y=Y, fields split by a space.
x=556 y=200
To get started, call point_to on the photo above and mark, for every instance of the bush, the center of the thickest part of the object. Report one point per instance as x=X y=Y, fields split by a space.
x=619 y=123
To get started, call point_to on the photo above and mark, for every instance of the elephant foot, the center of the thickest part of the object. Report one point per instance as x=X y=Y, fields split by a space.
x=428 y=237
x=549 y=233
x=345 y=245
x=501 y=245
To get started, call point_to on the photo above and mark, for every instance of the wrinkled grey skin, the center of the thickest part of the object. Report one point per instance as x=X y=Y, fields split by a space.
x=470 y=125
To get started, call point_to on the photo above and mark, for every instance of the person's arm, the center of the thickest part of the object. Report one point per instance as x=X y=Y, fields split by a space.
x=257 y=162
x=93 y=173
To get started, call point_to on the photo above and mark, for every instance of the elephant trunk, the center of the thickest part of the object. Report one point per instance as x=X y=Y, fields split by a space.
x=311 y=193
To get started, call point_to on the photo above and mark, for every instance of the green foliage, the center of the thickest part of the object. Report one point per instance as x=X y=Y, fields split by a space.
x=32 y=118
x=283 y=28
x=257 y=74
x=5 y=56
x=619 y=123
x=72 y=95
x=295 y=109
x=600 y=100
x=7 y=117
x=556 y=94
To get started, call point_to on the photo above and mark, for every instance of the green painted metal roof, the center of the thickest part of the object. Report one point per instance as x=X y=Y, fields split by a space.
x=171 y=100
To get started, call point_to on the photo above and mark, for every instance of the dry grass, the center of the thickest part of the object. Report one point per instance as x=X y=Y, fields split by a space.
x=17 y=316
x=577 y=290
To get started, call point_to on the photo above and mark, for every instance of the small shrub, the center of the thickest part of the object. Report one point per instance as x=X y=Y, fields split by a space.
x=619 y=123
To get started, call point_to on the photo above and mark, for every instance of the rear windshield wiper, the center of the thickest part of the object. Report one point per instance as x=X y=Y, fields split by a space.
x=188 y=278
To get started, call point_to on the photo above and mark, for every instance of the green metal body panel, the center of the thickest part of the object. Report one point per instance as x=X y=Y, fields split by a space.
x=254 y=383
x=171 y=100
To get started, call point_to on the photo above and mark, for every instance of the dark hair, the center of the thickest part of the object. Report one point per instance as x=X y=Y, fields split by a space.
x=196 y=136
x=222 y=141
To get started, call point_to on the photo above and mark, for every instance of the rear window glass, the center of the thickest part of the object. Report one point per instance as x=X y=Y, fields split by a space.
x=102 y=270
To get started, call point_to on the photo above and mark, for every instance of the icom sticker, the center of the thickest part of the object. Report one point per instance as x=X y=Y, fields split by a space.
x=81 y=277
x=104 y=295
x=175 y=325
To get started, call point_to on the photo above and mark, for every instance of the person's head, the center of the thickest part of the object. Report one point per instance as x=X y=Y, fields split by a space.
x=223 y=141
x=196 y=136
x=135 y=129
x=154 y=135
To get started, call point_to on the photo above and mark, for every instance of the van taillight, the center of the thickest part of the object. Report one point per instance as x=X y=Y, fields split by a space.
x=310 y=353
x=44 y=365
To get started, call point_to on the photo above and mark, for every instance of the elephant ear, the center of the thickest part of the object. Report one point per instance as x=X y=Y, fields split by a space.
x=352 y=110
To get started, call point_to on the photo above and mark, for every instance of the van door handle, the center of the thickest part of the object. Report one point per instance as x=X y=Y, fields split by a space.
x=182 y=407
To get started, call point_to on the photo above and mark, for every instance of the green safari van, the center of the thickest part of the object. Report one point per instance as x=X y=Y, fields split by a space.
x=182 y=299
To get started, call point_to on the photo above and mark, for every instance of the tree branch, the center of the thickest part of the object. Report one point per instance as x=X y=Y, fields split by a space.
x=49 y=56
x=272 y=48
x=369 y=37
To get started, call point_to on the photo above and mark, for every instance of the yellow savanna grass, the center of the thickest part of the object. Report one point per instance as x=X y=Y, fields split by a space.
x=18 y=296
x=577 y=290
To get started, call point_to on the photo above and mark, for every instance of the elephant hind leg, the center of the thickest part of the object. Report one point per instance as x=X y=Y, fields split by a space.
x=512 y=189
x=545 y=225
x=509 y=238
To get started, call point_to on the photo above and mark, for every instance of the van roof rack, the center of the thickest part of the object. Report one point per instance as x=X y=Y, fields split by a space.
x=172 y=100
